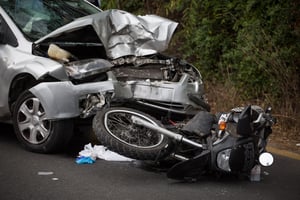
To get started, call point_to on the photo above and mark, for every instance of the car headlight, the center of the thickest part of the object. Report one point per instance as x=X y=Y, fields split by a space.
x=85 y=68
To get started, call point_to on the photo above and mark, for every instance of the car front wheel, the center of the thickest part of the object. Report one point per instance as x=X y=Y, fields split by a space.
x=34 y=131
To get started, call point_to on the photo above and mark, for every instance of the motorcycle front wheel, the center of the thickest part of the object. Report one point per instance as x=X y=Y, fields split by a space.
x=115 y=129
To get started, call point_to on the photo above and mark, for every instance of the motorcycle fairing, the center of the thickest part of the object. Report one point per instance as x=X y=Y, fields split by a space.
x=240 y=154
x=191 y=168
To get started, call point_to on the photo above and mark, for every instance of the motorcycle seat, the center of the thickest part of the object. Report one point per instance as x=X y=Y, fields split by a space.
x=201 y=124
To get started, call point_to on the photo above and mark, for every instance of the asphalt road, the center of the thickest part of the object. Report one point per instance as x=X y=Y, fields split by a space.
x=23 y=176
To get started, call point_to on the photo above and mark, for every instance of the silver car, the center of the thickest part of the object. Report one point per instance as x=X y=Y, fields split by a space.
x=62 y=60
x=37 y=94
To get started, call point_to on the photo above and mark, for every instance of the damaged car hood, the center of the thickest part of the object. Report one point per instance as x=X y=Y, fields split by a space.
x=123 y=33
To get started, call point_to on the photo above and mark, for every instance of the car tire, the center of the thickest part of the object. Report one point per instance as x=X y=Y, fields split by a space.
x=34 y=131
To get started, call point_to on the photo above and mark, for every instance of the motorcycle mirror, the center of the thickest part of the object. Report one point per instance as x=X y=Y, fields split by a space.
x=244 y=127
x=269 y=109
x=266 y=159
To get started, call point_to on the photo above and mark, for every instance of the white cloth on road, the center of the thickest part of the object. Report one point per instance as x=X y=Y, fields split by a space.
x=101 y=152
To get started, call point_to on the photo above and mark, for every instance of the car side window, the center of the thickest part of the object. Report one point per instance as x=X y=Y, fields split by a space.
x=6 y=35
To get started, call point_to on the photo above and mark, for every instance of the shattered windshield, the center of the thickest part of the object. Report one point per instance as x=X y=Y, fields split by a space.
x=37 y=18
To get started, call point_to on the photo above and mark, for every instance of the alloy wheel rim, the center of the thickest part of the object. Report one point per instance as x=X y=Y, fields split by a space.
x=32 y=122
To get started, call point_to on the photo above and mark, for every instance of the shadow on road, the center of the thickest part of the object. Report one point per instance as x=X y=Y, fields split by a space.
x=79 y=139
x=7 y=133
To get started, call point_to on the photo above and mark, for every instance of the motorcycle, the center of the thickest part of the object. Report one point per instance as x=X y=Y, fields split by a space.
x=233 y=142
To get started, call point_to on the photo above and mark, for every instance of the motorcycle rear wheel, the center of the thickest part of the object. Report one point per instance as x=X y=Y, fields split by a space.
x=114 y=129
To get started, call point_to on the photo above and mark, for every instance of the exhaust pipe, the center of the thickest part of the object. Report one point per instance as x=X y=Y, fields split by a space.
x=165 y=132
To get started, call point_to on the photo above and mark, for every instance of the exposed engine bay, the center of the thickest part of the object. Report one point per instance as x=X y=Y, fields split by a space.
x=130 y=47
x=132 y=44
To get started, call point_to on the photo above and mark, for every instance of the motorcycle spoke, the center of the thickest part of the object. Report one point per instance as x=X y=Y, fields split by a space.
x=120 y=125
x=121 y=120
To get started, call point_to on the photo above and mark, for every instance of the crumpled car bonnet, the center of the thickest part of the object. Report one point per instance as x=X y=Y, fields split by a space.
x=123 y=33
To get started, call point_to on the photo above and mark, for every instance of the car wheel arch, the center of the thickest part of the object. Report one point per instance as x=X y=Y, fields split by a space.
x=18 y=85
x=23 y=82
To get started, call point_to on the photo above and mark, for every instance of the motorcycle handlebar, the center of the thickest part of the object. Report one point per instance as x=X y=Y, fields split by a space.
x=265 y=117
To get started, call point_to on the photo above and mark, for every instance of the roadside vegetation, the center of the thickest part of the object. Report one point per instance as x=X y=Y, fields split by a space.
x=248 y=51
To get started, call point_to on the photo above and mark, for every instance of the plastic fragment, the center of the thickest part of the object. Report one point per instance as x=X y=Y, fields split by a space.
x=45 y=173
x=84 y=160
x=266 y=173
x=255 y=173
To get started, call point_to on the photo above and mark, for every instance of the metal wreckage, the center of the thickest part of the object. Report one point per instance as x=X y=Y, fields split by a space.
x=127 y=48
x=145 y=105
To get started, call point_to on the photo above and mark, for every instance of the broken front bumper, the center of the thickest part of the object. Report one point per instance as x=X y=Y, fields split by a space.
x=63 y=99
x=164 y=95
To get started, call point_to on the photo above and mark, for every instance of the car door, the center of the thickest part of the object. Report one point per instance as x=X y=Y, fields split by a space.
x=7 y=41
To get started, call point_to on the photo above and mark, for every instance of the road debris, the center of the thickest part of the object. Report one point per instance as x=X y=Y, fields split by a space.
x=85 y=160
x=89 y=155
x=266 y=173
x=45 y=173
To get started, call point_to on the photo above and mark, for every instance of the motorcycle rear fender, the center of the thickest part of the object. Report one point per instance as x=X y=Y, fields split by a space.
x=61 y=99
